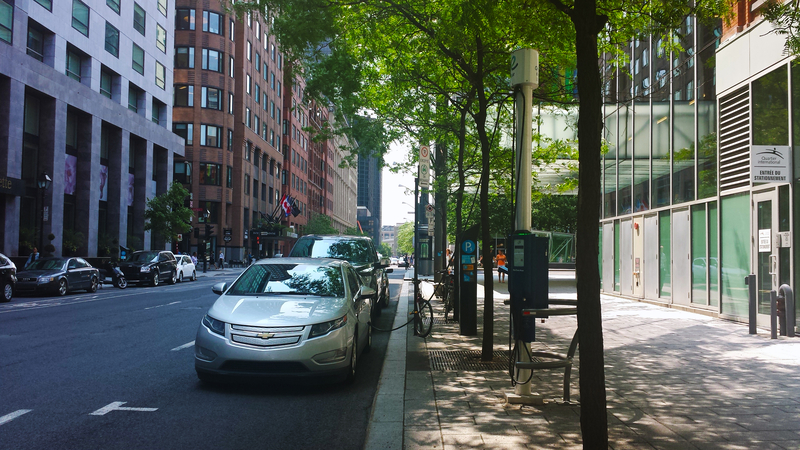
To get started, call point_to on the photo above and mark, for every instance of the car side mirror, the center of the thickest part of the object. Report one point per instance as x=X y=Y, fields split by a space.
x=219 y=288
x=389 y=270
x=366 y=292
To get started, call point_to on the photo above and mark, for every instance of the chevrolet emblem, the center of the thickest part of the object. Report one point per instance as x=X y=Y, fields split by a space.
x=265 y=335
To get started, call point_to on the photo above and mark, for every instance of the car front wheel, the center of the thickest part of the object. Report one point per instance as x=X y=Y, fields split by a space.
x=173 y=277
x=93 y=286
x=62 y=287
x=351 y=372
x=8 y=292
x=194 y=275
x=155 y=279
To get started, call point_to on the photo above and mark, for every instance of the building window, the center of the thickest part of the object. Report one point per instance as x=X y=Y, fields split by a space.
x=272 y=80
x=212 y=60
x=212 y=22
x=161 y=75
x=106 y=83
x=138 y=18
x=112 y=40
x=229 y=177
x=272 y=109
x=133 y=98
x=162 y=7
x=249 y=51
x=246 y=184
x=255 y=189
x=184 y=57
x=230 y=67
x=184 y=96
x=47 y=4
x=230 y=139
x=210 y=136
x=73 y=65
x=258 y=30
x=184 y=19
x=114 y=5
x=80 y=17
x=35 y=38
x=272 y=51
x=184 y=130
x=211 y=98
x=249 y=84
x=265 y=71
x=257 y=93
x=159 y=109
x=279 y=90
x=7 y=23
x=210 y=174
x=256 y=123
x=258 y=62
x=247 y=117
x=230 y=102
x=161 y=38
x=138 y=59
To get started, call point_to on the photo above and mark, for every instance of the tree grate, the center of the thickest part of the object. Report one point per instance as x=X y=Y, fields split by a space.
x=467 y=360
x=441 y=321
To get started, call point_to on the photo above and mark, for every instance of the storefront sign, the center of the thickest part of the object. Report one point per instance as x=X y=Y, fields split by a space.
x=12 y=186
x=770 y=164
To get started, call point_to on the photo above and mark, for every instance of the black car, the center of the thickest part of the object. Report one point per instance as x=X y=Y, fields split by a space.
x=8 y=277
x=359 y=251
x=150 y=266
x=57 y=275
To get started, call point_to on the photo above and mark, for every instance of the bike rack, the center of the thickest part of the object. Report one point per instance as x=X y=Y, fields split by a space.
x=557 y=360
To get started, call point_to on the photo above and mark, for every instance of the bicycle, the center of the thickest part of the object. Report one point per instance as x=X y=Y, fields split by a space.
x=423 y=313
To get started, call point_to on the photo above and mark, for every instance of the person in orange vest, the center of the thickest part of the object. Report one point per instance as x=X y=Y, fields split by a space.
x=500 y=259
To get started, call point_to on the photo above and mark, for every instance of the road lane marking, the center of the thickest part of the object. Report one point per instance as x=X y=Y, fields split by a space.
x=159 y=306
x=117 y=406
x=9 y=417
x=182 y=347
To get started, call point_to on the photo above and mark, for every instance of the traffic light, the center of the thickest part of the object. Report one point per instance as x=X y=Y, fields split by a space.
x=258 y=239
x=197 y=233
x=209 y=230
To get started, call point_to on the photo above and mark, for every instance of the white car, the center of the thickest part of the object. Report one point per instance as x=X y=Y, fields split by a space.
x=288 y=317
x=186 y=268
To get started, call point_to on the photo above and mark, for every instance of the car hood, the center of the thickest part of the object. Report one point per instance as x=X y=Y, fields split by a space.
x=277 y=310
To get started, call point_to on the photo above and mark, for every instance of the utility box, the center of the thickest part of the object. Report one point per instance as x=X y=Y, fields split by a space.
x=528 y=287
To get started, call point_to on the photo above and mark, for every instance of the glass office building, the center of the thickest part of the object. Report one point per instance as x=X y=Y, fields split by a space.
x=681 y=213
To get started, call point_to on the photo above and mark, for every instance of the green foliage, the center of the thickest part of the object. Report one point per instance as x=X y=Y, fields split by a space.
x=353 y=231
x=385 y=250
x=71 y=241
x=134 y=243
x=320 y=224
x=166 y=216
x=27 y=240
x=785 y=17
x=405 y=238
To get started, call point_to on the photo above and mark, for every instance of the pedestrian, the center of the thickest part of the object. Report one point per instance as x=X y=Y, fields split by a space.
x=221 y=260
x=33 y=256
x=501 y=266
x=194 y=258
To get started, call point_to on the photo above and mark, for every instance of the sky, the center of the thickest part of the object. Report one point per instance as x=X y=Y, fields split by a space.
x=393 y=211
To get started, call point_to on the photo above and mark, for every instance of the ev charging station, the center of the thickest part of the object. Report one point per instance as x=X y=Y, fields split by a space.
x=527 y=282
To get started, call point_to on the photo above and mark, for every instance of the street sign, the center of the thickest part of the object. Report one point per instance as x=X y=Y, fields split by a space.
x=424 y=153
x=429 y=208
x=430 y=231
x=424 y=174
x=227 y=238
x=430 y=214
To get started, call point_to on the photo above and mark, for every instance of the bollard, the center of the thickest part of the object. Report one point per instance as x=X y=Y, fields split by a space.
x=773 y=315
x=790 y=320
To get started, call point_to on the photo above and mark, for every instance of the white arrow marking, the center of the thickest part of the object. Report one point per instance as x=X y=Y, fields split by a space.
x=182 y=347
x=117 y=406
x=9 y=417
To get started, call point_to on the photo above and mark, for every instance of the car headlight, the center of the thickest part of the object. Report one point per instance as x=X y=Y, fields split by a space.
x=322 y=329
x=44 y=280
x=214 y=325
x=145 y=269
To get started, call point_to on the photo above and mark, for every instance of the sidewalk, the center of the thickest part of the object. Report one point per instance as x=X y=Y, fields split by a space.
x=674 y=380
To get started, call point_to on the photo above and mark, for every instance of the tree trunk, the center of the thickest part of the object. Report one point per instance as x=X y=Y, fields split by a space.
x=594 y=421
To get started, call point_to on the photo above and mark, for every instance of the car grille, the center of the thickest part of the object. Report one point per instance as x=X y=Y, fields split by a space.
x=265 y=367
x=27 y=279
x=257 y=336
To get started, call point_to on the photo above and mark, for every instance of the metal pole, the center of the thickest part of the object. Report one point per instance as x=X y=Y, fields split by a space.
x=416 y=240
x=523 y=212
x=41 y=221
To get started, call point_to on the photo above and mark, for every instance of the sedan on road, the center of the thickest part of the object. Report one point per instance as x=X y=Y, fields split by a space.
x=186 y=268
x=57 y=275
x=8 y=278
x=288 y=317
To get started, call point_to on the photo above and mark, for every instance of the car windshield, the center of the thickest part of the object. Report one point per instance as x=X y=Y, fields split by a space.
x=356 y=251
x=144 y=257
x=292 y=279
x=46 y=264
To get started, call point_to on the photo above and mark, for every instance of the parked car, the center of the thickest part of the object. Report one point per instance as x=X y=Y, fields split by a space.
x=289 y=317
x=57 y=275
x=357 y=250
x=186 y=268
x=150 y=266
x=8 y=277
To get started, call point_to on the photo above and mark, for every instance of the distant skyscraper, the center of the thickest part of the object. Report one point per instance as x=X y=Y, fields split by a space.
x=369 y=197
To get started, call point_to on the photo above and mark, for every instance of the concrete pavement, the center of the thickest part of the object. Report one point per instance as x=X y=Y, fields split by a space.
x=674 y=380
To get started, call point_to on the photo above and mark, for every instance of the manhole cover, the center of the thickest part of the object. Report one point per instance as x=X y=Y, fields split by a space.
x=466 y=360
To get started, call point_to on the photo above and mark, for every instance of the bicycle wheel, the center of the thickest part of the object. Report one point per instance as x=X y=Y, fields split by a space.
x=447 y=299
x=424 y=319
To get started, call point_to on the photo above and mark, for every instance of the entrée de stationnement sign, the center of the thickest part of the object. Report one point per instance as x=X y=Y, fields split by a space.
x=770 y=164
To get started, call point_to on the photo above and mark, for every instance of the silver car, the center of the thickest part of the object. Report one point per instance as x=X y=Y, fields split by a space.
x=287 y=317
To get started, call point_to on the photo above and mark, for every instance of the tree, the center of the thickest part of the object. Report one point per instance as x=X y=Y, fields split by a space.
x=320 y=224
x=785 y=16
x=405 y=238
x=353 y=231
x=166 y=216
x=385 y=250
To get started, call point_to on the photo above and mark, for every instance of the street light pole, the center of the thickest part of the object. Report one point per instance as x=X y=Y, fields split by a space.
x=416 y=240
x=43 y=183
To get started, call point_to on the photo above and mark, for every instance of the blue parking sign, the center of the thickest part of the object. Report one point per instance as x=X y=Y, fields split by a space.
x=468 y=246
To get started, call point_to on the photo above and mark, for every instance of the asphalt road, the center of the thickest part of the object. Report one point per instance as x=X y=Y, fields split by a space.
x=115 y=370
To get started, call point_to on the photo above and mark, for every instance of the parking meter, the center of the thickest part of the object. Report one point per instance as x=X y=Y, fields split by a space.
x=467 y=257
x=528 y=265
